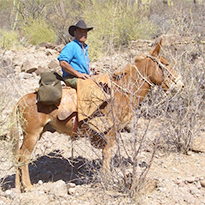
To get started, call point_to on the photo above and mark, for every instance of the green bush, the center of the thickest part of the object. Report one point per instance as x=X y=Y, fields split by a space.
x=37 y=31
x=8 y=39
x=115 y=24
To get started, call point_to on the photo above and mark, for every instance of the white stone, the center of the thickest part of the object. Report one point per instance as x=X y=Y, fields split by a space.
x=59 y=188
x=194 y=191
x=72 y=191
x=40 y=182
x=9 y=193
x=70 y=185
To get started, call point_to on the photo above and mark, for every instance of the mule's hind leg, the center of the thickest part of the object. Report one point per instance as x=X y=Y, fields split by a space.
x=22 y=177
x=17 y=179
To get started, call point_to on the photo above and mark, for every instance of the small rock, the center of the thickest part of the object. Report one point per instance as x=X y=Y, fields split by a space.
x=17 y=69
x=40 y=182
x=10 y=194
x=179 y=182
x=59 y=188
x=48 y=53
x=53 y=65
x=161 y=189
x=41 y=70
x=199 y=143
x=70 y=185
x=26 y=66
x=202 y=182
x=31 y=70
x=198 y=184
x=23 y=75
x=71 y=191
x=190 y=180
x=195 y=191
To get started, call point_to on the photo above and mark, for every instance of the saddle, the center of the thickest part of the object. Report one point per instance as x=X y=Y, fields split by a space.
x=90 y=96
x=68 y=103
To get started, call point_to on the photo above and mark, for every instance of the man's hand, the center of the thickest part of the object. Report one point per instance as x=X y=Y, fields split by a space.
x=83 y=76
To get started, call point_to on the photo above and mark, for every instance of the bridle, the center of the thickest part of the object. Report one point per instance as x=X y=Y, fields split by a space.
x=145 y=79
x=161 y=65
x=164 y=68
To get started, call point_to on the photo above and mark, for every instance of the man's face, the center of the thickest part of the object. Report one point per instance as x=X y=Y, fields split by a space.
x=81 y=35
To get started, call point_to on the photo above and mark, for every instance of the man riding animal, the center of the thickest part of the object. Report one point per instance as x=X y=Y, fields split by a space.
x=129 y=87
x=74 y=58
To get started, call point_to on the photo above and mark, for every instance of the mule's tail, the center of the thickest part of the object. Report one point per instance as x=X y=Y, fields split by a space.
x=14 y=131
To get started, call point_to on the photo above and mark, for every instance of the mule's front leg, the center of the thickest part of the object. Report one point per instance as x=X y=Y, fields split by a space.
x=106 y=157
x=107 y=151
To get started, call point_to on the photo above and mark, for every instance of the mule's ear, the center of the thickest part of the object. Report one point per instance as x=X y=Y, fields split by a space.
x=157 y=48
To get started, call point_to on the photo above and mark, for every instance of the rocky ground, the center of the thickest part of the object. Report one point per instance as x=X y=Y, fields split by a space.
x=174 y=178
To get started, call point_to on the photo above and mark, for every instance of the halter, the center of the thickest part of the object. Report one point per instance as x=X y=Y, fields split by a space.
x=128 y=92
x=176 y=79
x=162 y=66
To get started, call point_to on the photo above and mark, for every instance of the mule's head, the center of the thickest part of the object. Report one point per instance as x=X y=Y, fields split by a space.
x=159 y=71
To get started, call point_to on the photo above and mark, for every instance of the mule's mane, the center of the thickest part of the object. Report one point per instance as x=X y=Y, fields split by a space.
x=117 y=75
x=139 y=58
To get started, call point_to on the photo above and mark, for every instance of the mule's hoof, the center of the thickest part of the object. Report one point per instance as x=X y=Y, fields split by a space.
x=28 y=188
x=17 y=189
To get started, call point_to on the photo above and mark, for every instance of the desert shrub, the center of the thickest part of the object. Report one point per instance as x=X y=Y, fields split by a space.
x=62 y=14
x=37 y=31
x=186 y=112
x=116 y=23
x=8 y=39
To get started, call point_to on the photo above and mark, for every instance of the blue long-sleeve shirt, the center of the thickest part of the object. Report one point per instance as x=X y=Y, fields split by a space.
x=76 y=56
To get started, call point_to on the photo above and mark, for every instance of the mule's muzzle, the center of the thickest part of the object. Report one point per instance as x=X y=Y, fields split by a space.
x=176 y=87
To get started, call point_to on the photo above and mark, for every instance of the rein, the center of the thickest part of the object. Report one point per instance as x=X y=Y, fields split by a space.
x=165 y=68
x=136 y=68
x=128 y=92
x=121 y=88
